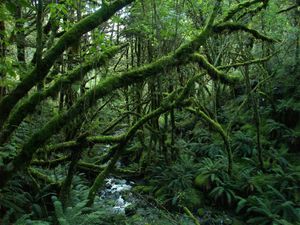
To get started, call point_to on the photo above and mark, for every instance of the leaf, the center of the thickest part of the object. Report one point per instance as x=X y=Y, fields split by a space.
x=24 y=3
x=37 y=210
x=259 y=220
x=242 y=203
x=12 y=8
x=5 y=13
x=283 y=222
x=228 y=195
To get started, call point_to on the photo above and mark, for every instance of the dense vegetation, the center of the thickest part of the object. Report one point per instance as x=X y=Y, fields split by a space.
x=195 y=102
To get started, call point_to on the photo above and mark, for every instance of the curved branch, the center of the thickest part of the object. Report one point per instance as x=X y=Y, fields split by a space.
x=243 y=5
x=118 y=149
x=250 y=62
x=287 y=9
x=233 y=27
x=213 y=72
x=90 y=141
x=254 y=11
x=180 y=56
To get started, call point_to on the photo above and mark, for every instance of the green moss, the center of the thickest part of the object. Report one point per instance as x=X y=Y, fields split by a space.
x=202 y=181
x=193 y=198
x=29 y=105
x=201 y=212
x=240 y=64
x=239 y=7
x=213 y=72
x=73 y=35
x=233 y=27
x=43 y=177
x=101 y=90
x=143 y=189
x=50 y=163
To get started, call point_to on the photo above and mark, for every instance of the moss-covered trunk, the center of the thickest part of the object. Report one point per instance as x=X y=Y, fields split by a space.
x=2 y=57
x=256 y=118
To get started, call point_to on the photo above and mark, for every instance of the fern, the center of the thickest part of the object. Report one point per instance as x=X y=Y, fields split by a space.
x=14 y=198
x=243 y=144
x=225 y=193
x=81 y=215
x=171 y=181
x=286 y=104
x=25 y=220
x=270 y=208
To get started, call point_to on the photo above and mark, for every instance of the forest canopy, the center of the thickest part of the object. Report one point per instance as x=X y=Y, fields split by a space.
x=149 y=112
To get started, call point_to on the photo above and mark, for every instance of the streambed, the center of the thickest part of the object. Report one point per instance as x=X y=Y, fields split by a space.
x=120 y=199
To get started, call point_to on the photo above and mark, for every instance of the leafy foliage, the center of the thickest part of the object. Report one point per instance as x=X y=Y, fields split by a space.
x=175 y=159
x=170 y=182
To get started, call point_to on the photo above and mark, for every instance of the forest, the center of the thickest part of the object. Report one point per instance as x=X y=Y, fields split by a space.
x=149 y=112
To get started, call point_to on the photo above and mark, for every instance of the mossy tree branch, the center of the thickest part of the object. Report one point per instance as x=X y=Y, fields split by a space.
x=73 y=35
x=252 y=12
x=175 y=99
x=75 y=157
x=234 y=27
x=42 y=177
x=95 y=170
x=190 y=214
x=50 y=163
x=90 y=141
x=249 y=62
x=287 y=9
x=118 y=149
x=77 y=74
x=239 y=7
x=213 y=72
x=180 y=56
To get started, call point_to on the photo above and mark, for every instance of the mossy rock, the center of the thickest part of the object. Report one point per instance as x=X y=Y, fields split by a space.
x=202 y=181
x=193 y=198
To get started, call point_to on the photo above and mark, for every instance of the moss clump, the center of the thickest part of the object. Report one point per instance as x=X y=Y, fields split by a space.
x=193 y=198
x=201 y=212
x=203 y=181
x=143 y=189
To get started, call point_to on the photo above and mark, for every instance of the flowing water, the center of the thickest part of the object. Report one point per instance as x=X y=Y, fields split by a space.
x=116 y=191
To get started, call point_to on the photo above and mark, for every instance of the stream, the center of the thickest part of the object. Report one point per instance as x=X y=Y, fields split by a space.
x=117 y=190
x=119 y=197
